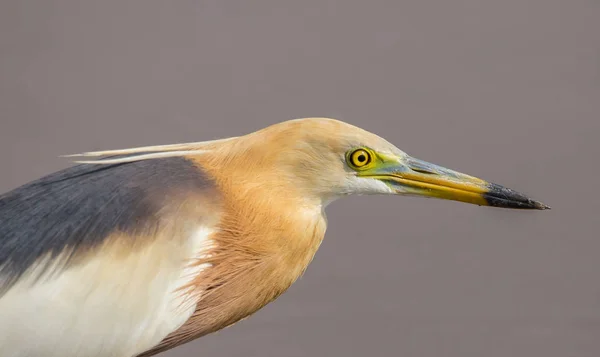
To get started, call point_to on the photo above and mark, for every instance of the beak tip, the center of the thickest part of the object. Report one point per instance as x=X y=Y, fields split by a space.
x=500 y=196
x=542 y=206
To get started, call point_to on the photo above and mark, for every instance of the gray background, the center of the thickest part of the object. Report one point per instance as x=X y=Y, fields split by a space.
x=506 y=90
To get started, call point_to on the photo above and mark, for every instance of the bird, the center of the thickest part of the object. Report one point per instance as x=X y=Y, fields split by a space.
x=132 y=252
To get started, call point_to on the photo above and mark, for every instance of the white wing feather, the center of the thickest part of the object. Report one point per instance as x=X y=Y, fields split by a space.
x=111 y=306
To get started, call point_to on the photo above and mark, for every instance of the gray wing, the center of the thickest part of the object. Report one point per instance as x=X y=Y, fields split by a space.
x=78 y=207
x=127 y=232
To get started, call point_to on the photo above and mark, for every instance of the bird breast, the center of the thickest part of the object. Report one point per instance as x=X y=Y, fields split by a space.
x=253 y=260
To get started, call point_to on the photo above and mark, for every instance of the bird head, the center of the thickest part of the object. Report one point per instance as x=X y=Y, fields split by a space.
x=328 y=159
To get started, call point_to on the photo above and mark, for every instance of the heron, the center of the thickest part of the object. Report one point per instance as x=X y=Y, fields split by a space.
x=136 y=251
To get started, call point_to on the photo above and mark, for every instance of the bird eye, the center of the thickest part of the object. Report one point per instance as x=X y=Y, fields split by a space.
x=360 y=158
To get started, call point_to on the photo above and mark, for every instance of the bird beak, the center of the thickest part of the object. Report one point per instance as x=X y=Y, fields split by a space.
x=407 y=175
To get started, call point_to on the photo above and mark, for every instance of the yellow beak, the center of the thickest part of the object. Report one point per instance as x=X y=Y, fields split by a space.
x=411 y=176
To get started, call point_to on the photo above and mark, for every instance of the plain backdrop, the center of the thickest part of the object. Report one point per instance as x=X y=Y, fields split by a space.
x=505 y=90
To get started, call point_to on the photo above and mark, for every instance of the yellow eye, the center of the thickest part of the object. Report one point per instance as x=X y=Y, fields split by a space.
x=360 y=158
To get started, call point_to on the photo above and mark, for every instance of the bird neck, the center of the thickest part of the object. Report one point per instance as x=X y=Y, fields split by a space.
x=267 y=221
x=267 y=236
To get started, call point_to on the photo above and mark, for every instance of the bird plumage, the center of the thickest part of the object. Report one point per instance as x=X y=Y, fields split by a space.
x=79 y=252
x=90 y=238
x=134 y=254
x=80 y=207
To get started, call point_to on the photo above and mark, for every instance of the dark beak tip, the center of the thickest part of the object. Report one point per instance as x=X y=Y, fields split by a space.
x=500 y=196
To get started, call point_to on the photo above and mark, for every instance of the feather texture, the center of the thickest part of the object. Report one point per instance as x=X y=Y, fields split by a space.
x=134 y=254
x=114 y=304
x=97 y=260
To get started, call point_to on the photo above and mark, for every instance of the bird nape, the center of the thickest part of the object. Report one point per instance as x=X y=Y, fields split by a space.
x=133 y=252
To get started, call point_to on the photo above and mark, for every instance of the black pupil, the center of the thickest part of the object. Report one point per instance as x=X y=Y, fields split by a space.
x=362 y=158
